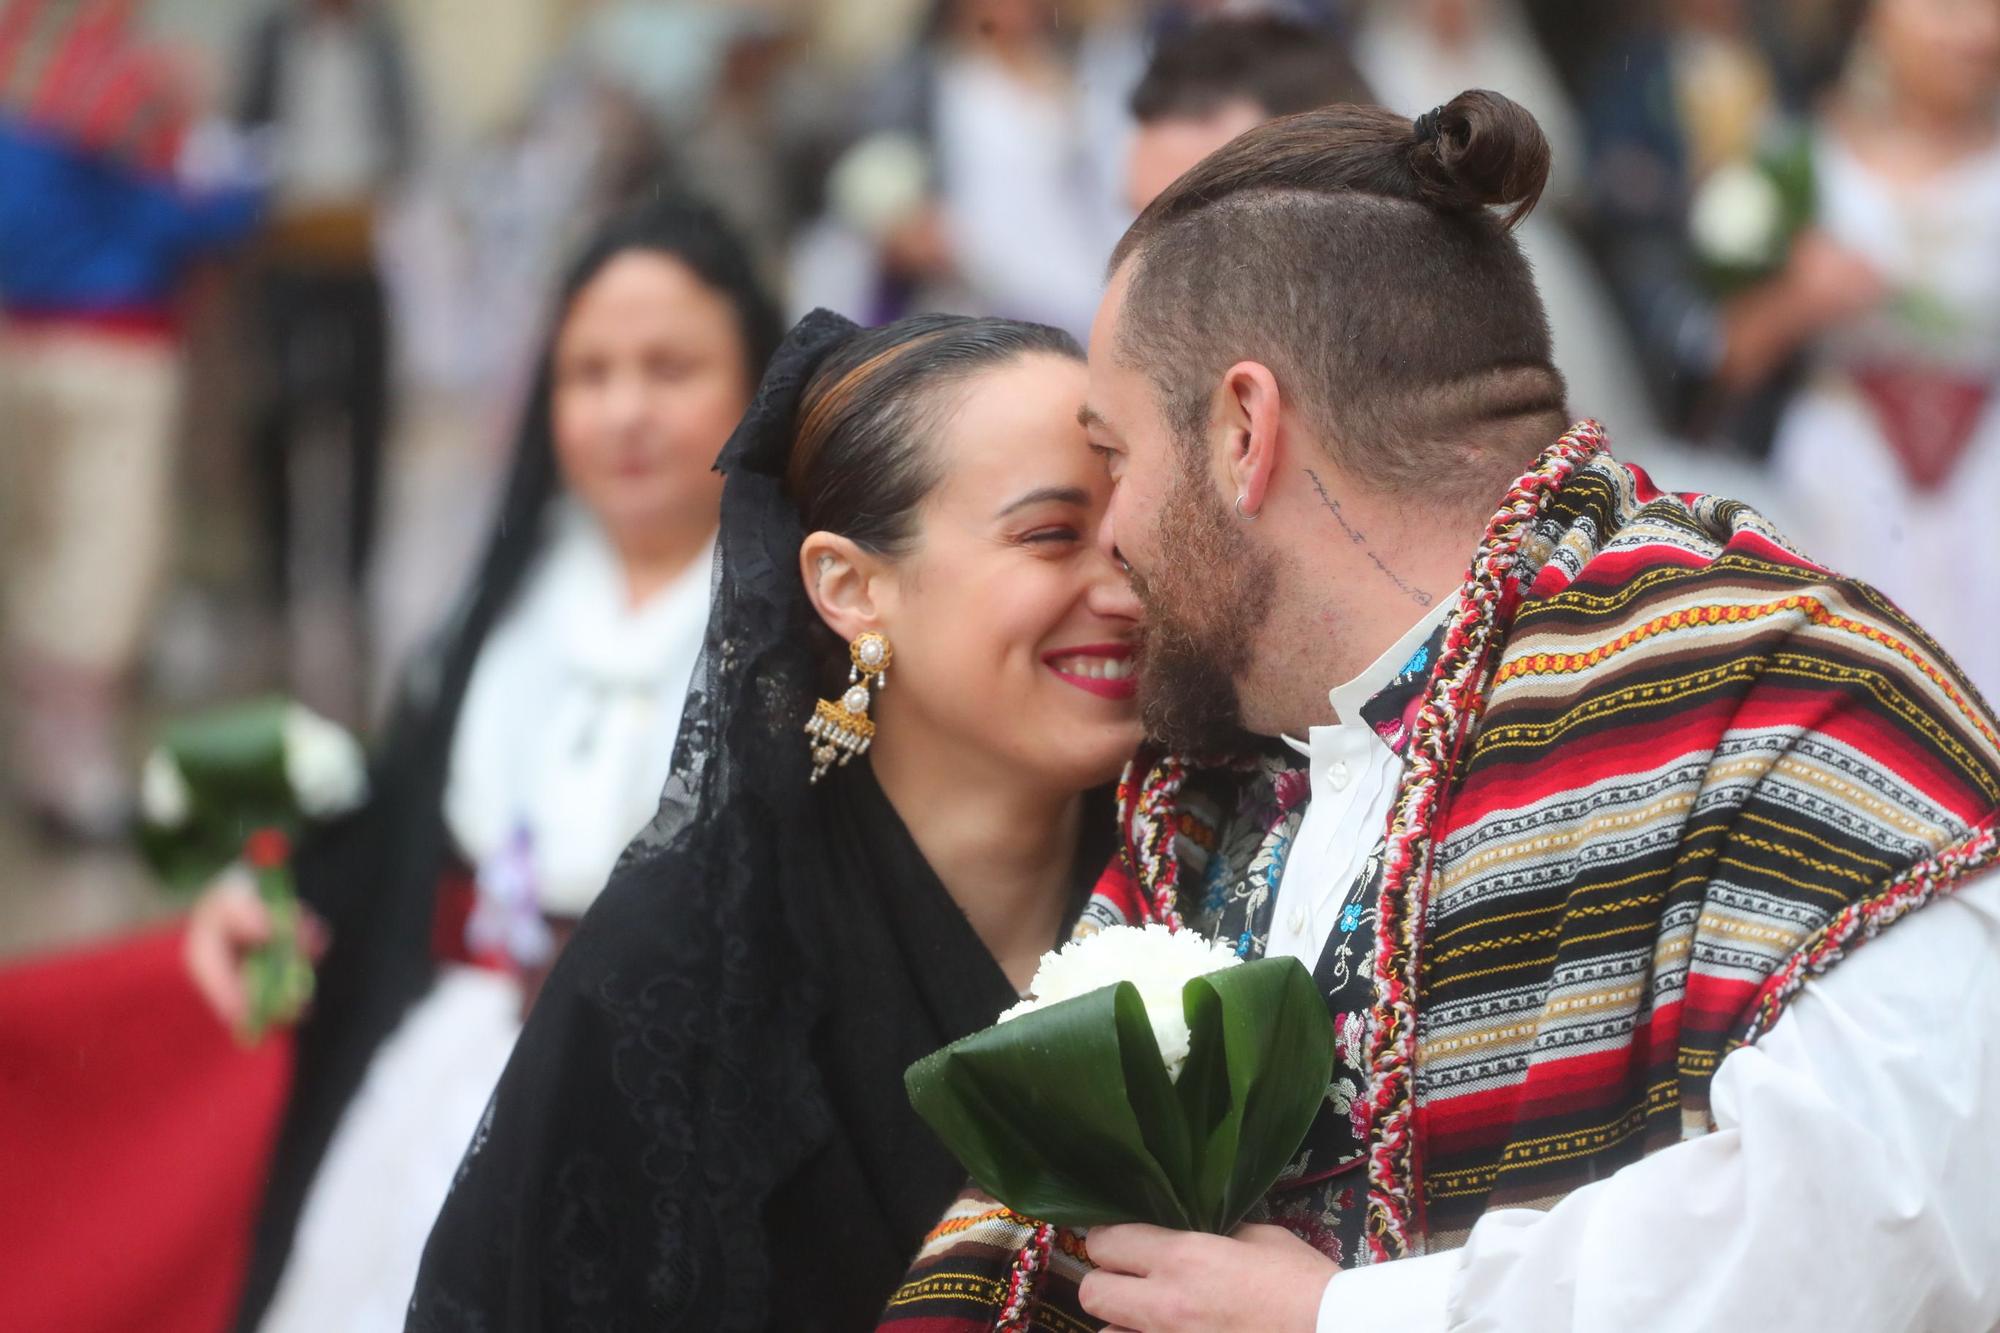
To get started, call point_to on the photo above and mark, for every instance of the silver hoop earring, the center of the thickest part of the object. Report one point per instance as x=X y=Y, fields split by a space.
x=1241 y=512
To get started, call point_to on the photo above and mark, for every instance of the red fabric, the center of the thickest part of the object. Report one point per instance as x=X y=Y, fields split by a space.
x=139 y=323
x=81 y=71
x=1927 y=417
x=136 y=1133
x=457 y=895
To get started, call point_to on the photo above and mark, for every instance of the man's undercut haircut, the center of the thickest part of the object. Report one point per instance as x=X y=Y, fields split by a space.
x=1277 y=65
x=1359 y=257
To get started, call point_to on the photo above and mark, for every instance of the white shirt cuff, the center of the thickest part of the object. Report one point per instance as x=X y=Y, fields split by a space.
x=1407 y=1296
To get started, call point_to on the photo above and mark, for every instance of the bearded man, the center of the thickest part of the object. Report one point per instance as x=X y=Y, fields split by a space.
x=1570 y=793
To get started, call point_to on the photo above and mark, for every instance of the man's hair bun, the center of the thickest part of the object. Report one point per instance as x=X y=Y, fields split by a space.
x=1480 y=149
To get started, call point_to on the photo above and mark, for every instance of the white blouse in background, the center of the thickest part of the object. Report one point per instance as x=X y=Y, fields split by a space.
x=567 y=731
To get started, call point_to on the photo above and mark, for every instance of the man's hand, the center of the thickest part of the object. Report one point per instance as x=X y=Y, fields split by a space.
x=1150 y=1280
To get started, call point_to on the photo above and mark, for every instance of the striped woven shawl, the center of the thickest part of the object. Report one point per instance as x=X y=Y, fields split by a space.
x=1693 y=771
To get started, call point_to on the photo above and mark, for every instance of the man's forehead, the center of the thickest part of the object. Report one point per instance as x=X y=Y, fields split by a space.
x=1110 y=309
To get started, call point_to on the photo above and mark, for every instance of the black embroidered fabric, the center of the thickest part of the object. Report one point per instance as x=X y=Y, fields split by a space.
x=703 y=1125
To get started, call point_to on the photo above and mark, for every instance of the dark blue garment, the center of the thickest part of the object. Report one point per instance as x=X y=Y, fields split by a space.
x=84 y=234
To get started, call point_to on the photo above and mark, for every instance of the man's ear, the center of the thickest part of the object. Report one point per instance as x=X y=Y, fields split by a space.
x=1248 y=414
x=844 y=583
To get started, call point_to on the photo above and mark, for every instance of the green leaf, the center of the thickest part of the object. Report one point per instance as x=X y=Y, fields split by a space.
x=1067 y=1114
x=277 y=974
x=1150 y=1095
x=1039 y=1111
x=236 y=750
x=1269 y=1027
x=232 y=759
x=1210 y=1103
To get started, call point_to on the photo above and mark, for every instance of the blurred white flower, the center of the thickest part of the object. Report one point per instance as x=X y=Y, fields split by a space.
x=1738 y=217
x=878 y=184
x=325 y=766
x=1156 y=960
x=164 y=799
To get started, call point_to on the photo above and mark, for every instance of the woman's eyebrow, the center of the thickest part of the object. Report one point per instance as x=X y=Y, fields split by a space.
x=1074 y=496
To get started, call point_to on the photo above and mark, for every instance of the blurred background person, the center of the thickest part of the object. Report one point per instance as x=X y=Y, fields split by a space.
x=102 y=216
x=1890 y=451
x=530 y=744
x=1021 y=213
x=325 y=88
x=977 y=191
x=1421 y=53
x=1210 y=83
x=1688 y=86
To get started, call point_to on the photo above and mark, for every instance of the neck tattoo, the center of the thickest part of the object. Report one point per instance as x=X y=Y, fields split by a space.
x=1417 y=595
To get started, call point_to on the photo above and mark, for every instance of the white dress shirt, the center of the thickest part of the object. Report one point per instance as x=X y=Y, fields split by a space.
x=1354 y=776
x=1852 y=1183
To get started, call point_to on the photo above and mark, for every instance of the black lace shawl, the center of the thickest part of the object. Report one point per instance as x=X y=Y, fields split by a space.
x=704 y=1126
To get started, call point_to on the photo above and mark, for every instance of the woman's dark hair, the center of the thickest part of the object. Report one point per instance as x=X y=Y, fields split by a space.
x=860 y=465
x=681 y=228
x=1359 y=255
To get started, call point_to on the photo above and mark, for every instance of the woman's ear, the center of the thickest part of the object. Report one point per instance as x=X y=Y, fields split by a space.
x=843 y=582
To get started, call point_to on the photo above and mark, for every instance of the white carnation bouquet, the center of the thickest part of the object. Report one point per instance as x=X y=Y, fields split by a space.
x=236 y=785
x=1152 y=1076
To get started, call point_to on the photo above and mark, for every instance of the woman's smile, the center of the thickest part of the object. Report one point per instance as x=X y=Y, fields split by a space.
x=1104 y=669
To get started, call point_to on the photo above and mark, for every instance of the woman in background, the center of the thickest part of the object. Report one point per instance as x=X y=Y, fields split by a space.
x=981 y=189
x=1891 y=450
x=528 y=746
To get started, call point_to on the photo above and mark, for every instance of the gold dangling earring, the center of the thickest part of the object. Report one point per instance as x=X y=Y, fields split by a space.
x=841 y=729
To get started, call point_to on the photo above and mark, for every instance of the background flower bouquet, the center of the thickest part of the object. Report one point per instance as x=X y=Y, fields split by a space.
x=1747 y=213
x=235 y=786
x=1154 y=1077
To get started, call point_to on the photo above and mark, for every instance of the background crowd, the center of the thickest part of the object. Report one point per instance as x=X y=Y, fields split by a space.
x=271 y=314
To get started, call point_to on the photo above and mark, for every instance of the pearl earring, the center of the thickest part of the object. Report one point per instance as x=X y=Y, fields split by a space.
x=842 y=729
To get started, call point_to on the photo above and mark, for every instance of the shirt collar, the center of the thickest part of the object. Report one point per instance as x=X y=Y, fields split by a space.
x=1350 y=698
x=1401 y=659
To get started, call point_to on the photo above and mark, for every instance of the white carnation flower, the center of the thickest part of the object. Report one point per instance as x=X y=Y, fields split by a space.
x=879 y=182
x=1737 y=217
x=325 y=766
x=1156 y=960
x=164 y=798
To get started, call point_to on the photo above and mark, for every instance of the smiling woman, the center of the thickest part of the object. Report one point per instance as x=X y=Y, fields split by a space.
x=955 y=504
x=910 y=528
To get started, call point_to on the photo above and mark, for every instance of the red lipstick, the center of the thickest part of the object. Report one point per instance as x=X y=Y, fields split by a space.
x=1102 y=669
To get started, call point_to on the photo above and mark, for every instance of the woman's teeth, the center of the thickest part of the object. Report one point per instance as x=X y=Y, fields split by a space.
x=1096 y=668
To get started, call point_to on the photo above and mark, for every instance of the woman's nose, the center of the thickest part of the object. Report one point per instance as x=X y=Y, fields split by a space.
x=624 y=405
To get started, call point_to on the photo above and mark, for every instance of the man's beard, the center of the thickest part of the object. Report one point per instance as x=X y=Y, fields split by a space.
x=1207 y=599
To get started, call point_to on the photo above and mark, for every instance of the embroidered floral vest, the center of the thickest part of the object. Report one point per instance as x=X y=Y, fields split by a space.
x=1232 y=891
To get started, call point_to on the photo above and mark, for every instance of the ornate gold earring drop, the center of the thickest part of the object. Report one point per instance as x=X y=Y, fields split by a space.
x=841 y=729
